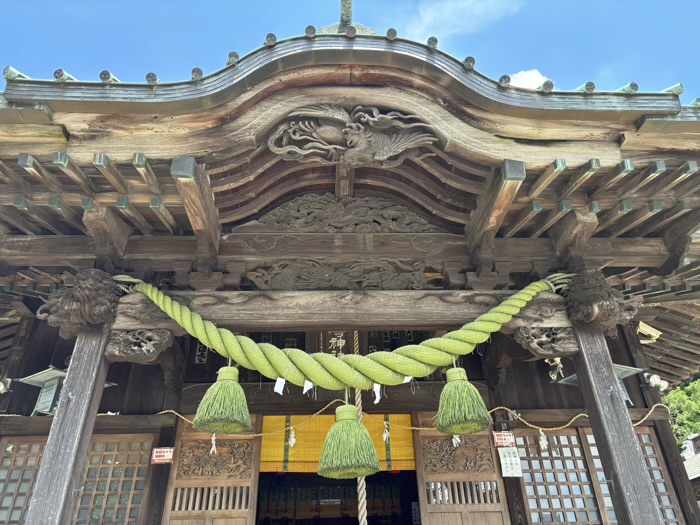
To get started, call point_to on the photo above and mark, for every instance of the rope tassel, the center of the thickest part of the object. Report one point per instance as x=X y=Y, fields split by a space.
x=223 y=409
x=461 y=410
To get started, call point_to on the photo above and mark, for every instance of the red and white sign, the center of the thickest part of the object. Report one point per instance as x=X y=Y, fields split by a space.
x=162 y=455
x=504 y=439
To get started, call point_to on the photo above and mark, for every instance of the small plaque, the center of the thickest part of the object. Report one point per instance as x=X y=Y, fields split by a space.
x=162 y=455
x=510 y=462
x=504 y=439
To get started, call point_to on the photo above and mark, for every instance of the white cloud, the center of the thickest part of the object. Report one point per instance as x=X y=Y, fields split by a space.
x=446 y=18
x=532 y=78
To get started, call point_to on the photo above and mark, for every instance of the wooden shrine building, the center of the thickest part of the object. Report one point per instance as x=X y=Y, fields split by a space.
x=334 y=183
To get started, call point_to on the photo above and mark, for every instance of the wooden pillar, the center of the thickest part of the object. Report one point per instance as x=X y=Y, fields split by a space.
x=87 y=310
x=593 y=305
x=679 y=476
x=60 y=476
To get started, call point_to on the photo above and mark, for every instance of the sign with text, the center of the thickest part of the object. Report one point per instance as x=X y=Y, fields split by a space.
x=162 y=455
x=504 y=439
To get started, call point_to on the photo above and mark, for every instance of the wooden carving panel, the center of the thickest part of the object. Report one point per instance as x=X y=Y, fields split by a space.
x=472 y=455
x=382 y=274
x=233 y=460
x=314 y=213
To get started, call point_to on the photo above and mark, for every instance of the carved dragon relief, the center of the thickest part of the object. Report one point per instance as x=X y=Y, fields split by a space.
x=92 y=300
x=140 y=346
x=382 y=274
x=361 y=137
x=233 y=460
x=322 y=213
x=547 y=343
x=472 y=455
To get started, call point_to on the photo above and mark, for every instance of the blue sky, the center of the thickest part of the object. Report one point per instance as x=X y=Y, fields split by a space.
x=610 y=42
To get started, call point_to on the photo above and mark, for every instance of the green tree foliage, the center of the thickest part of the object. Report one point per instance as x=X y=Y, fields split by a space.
x=685 y=410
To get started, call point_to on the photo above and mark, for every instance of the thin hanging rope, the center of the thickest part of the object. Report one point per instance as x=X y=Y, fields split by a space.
x=361 y=483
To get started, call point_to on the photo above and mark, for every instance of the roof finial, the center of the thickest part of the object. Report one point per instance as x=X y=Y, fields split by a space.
x=345 y=15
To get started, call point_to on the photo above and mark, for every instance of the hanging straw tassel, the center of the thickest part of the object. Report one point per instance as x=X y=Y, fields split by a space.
x=461 y=410
x=348 y=451
x=223 y=409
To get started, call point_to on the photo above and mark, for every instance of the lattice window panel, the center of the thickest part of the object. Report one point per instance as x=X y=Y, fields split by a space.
x=558 y=487
x=667 y=500
x=19 y=464
x=114 y=490
x=462 y=492
x=186 y=499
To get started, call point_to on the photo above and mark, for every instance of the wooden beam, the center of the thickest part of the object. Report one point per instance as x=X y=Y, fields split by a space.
x=546 y=178
x=573 y=231
x=579 y=177
x=144 y=168
x=633 y=220
x=57 y=486
x=673 y=179
x=134 y=216
x=647 y=175
x=67 y=213
x=552 y=218
x=318 y=310
x=663 y=220
x=33 y=167
x=344 y=181
x=165 y=216
x=632 y=492
x=62 y=161
x=39 y=215
x=18 y=222
x=110 y=172
x=690 y=187
x=12 y=365
x=494 y=203
x=109 y=233
x=193 y=184
x=621 y=171
x=612 y=216
x=136 y=424
x=9 y=177
x=532 y=209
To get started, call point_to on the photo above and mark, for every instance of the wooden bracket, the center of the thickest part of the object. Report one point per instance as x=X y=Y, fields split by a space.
x=193 y=184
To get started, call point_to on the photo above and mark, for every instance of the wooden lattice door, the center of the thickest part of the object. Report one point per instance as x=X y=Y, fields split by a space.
x=213 y=488
x=458 y=485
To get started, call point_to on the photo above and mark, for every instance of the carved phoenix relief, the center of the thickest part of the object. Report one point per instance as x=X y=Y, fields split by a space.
x=361 y=137
x=383 y=274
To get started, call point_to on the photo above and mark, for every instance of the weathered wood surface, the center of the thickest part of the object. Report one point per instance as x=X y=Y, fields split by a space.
x=679 y=475
x=104 y=424
x=493 y=204
x=162 y=252
x=17 y=353
x=58 y=482
x=633 y=495
x=271 y=311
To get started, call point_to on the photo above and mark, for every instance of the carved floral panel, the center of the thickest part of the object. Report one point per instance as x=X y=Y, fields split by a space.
x=472 y=455
x=232 y=461
x=323 y=213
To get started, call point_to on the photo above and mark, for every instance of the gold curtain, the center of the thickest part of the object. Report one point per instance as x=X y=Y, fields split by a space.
x=277 y=456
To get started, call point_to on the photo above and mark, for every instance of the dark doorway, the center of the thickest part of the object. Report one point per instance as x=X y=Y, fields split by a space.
x=308 y=499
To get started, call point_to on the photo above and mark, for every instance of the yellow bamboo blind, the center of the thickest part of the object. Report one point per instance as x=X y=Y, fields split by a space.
x=278 y=456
